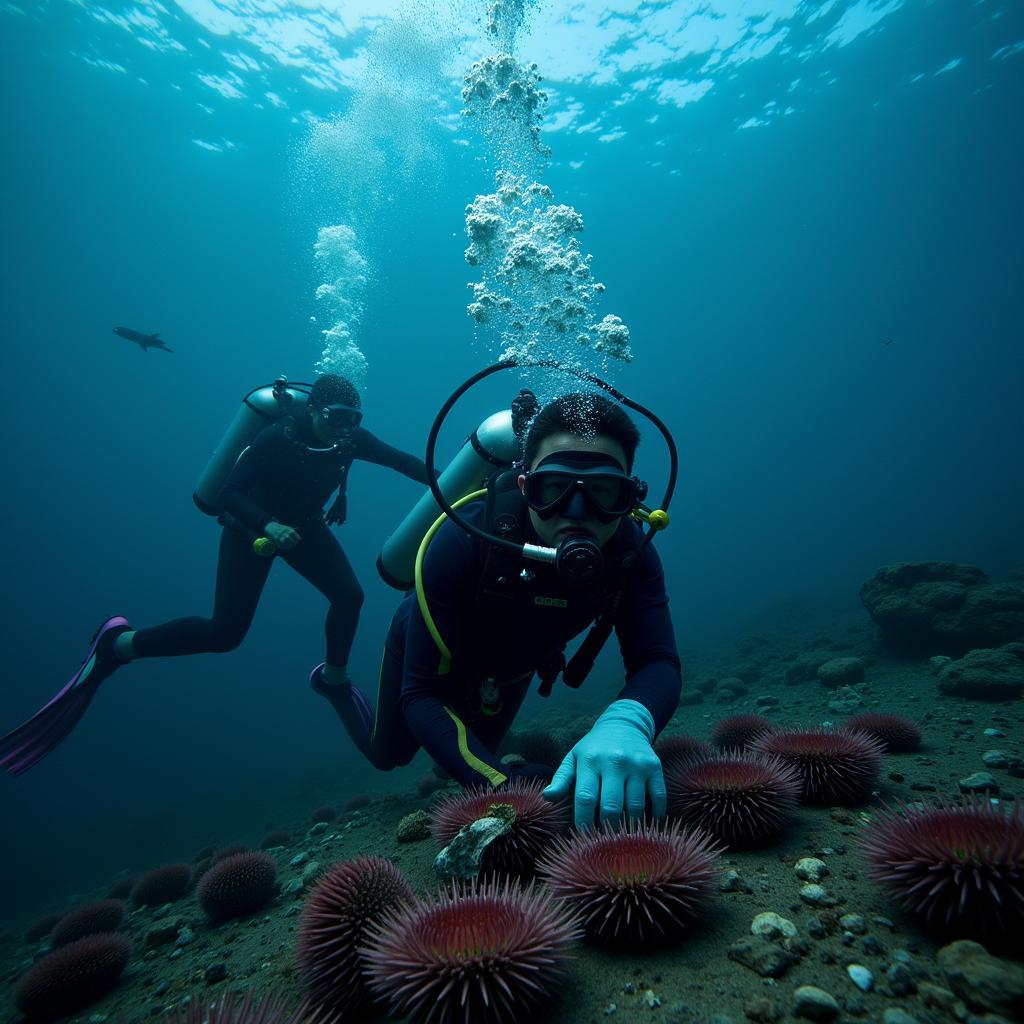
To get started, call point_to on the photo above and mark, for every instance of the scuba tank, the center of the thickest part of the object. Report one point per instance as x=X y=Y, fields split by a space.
x=260 y=407
x=492 y=446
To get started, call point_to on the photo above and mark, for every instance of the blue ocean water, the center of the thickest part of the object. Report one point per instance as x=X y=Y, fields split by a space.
x=808 y=215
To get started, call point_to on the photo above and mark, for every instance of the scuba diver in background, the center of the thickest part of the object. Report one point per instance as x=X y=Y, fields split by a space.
x=460 y=653
x=273 y=500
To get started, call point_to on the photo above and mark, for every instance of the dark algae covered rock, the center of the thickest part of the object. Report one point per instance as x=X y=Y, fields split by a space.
x=943 y=607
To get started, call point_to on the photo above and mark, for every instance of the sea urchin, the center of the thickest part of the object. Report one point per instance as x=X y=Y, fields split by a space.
x=345 y=902
x=537 y=822
x=642 y=884
x=960 y=868
x=835 y=767
x=897 y=734
x=739 y=799
x=489 y=952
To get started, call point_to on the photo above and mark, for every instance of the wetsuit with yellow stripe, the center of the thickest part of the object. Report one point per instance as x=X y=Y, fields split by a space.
x=460 y=712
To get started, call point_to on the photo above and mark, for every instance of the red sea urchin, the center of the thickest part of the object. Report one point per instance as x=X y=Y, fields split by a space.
x=487 y=952
x=237 y=886
x=641 y=884
x=960 y=868
x=344 y=903
x=73 y=976
x=835 y=767
x=739 y=799
x=737 y=732
x=537 y=823
x=897 y=734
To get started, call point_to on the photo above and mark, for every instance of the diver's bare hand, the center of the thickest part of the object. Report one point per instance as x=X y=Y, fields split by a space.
x=283 y=536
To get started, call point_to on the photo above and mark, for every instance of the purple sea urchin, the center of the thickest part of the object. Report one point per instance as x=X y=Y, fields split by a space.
x=897 y=734
x=835 y=767
x=350 y=898
x=737 y=732
x=641 y=884
x=88 y=919
x=739 y=799
x=960 y=868
x=237 y=886
x=537 y=822
x=488 y=952
x=72 y=976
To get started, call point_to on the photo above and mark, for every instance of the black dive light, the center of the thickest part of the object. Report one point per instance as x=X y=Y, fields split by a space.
x=578 y=560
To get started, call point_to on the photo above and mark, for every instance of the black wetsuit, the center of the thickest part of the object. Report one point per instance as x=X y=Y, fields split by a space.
x=444 y=709
x=279 y=478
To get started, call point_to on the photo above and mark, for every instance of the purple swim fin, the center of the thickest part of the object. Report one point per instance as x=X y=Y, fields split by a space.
x=27 y=745
x=352 y=707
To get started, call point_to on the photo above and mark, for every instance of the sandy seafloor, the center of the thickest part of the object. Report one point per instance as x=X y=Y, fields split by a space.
x=693 y=980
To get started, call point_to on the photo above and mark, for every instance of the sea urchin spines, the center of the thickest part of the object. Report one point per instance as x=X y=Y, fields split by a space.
x=486 y=952
x=960 y=868
x=897 y=734
x=641 y=884
x=671 y=749
x=537 y=822
x=739 y=799
x=88 y=919
x=738 y=732
x=72 y=976
x=237 y=886
x=345 y=902
x=270 y=1009
x=834 y=766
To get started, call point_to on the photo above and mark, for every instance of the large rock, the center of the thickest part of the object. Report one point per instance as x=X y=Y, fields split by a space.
x=984 y=675
x=983 y=981
x=838 y=672
x=935 y=607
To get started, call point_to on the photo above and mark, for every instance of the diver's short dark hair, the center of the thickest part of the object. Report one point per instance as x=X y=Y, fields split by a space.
x=586 y=415
x=333 y=389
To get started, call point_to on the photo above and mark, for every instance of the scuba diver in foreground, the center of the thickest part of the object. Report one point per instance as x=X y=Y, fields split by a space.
x=460 y=653
x=273 y=501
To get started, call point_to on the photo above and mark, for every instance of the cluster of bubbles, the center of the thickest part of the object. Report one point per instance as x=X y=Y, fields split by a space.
x=506 y=100
x=536 y=288
x=359 y=170
x=341 y=296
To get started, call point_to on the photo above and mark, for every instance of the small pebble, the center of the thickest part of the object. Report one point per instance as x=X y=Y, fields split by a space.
x=817 y=896
x=853 y=923
x=814 y=1003
x=979 y=782
x=771 y=926
x=651 y=999
x=994 y=734
x=610 y=1009
x=299 y=858
x=733 y=881
x=811 y=869
x=861 y=977
x=894 y=1015
x=215 y=973
x=995 y=759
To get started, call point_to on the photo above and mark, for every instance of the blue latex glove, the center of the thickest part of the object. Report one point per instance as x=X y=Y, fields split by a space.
x=614 y=765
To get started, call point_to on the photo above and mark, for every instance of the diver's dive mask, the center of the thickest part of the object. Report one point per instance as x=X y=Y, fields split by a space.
x=582 y=485
x=341 y=417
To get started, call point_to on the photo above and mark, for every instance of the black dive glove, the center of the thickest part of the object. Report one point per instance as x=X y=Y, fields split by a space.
x=338 y=512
